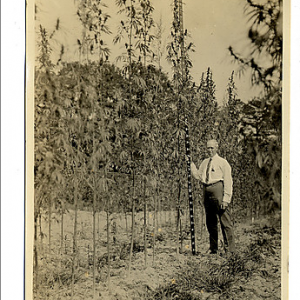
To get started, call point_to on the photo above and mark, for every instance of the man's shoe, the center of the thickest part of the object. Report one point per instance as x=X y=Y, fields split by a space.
x=209 y=251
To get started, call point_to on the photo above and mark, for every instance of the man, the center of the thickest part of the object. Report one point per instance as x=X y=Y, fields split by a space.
x=215 y=174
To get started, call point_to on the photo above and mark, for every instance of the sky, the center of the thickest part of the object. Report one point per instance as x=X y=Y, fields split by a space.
x=213 y=25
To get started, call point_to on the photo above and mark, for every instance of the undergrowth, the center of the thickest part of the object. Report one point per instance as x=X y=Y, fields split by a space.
x=214 y=274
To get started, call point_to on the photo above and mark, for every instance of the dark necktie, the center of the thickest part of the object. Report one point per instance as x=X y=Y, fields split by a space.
x=207 y=170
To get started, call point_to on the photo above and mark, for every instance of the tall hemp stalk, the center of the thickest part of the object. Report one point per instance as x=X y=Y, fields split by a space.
x=132 y=219
x=108 y=243
x=47 y=171
x=145 y=221
x=73 y=164
x=77 y=171
x=145 y=39
x=174 y=56
x=128 y=26
x=182 y=82
x=94 y=172
x=74 y=253
x=49 y=224
x=94 y=21
x=77 y=165
x=158 y=134
x=154 y=224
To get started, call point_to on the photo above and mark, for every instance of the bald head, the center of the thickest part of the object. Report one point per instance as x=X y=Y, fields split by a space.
x=212 y=143
x=212 y=147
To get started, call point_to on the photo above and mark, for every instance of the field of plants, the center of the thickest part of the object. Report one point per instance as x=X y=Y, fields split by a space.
x=114 y=200
x=163 y=271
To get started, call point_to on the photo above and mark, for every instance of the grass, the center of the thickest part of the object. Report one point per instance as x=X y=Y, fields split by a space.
x=199 y=277
x=213 y=274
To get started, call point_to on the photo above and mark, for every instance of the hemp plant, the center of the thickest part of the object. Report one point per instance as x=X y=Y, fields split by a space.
x=92 y=15
x=178 y=56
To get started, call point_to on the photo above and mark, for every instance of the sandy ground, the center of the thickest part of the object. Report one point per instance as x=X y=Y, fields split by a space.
x=160 y=269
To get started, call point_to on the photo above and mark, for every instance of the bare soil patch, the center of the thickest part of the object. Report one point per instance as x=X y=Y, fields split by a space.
x=253 y=273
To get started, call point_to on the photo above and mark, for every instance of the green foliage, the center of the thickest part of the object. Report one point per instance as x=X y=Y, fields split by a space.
x=265 y=35
x=219 y=276
x=178 y=51
x=96 y=121
x=136 y=30
x=44 y=51
x=172 y=292
x=261 y=122
x=203 y=115
x=94 y=19
x=227 y=126
x=49 y=137
x=103 y=117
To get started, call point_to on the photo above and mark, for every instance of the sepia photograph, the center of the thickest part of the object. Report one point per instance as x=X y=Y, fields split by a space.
x=158 y=145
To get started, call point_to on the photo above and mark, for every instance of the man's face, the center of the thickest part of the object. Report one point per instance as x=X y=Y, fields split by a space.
x=211 y=148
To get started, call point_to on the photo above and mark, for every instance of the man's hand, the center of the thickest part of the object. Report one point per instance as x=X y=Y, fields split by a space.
x=224 y=205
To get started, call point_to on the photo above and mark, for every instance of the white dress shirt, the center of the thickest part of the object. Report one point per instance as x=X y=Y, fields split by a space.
x=220 y=170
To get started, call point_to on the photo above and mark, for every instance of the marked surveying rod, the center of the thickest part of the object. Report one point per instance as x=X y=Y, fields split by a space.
x=187 y=138
x=188 y=154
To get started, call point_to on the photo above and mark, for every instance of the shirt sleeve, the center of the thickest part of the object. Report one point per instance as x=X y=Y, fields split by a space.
x=195 y=171
x=227 y=182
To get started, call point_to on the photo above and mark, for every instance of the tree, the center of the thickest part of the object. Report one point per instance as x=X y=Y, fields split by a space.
x=262 y=121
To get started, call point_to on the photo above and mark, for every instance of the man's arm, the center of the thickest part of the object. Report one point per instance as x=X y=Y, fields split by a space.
x=195 y=171
x=227 y=182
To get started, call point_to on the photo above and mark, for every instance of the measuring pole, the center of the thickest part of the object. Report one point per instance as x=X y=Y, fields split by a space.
x=187 y=138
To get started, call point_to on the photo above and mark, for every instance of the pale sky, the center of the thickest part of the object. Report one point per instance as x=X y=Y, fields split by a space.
x=214 y=25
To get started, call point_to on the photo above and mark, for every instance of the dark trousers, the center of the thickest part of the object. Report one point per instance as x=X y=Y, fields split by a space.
x=213 y=196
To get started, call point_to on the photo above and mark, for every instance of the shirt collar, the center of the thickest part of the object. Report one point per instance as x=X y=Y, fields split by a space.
x=214 y=157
